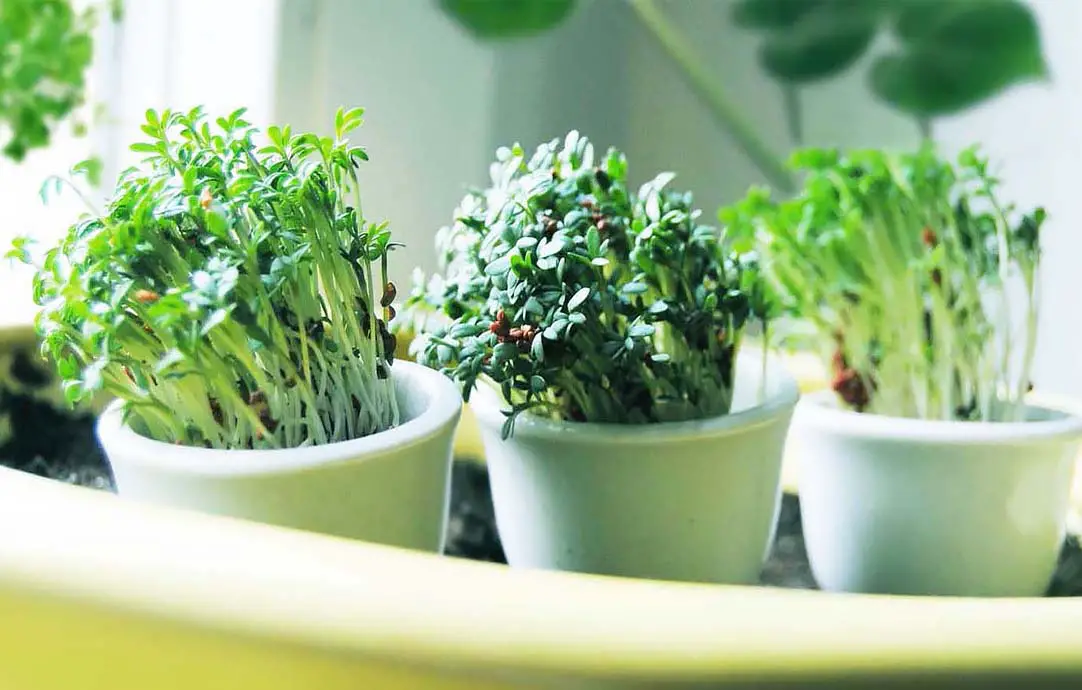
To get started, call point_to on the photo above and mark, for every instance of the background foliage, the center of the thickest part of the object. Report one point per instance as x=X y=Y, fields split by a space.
x=46 y=47
x=923 y=58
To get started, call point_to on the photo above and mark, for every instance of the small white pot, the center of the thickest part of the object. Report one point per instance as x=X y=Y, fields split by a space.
x=693 y=501
x=389 y=488
x=913 y=507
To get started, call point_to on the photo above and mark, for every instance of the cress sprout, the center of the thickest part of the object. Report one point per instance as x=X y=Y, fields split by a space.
x=918 y=284
x=232 y=294
x=583 y=301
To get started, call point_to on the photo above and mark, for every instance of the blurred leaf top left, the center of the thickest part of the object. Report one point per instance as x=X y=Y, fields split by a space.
x=46 y=47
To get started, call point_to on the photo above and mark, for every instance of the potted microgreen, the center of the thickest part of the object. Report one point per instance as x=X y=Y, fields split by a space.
x=232 y=298
x=596 y=334
x=926 y=469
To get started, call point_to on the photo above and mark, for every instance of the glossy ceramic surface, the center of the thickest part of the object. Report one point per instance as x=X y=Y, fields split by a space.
x=694 y=501
x=389 y=488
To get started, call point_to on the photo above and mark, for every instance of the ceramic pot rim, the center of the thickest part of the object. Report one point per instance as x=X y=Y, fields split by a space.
x=444 y=406
x=487 y=405
x=821 y=410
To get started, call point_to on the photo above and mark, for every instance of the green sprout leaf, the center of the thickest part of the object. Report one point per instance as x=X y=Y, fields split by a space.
x=574 y=332
x=894 y=265
x=578 y=298
x=232 y=297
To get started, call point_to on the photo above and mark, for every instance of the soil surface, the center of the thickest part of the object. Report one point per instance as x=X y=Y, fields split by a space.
x=37 y=436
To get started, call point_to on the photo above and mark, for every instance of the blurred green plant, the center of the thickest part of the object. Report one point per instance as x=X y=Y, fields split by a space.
x=506 y=18
x=945 y=56
x=909 y=271
x=46 y=47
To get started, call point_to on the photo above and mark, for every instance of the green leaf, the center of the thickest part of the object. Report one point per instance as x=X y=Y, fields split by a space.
x=173 y=356
x=444 y=354
x=91 y=167
x=498 y=19
x=959 y=58
x=499 y=267
x=507 y=428
x=822 y=44
x=551 y=247
x=578 y=298
x=534 y=306
x=216 y=318
x=593 y=240
x=47 y=46
x=537 y=348
x=50 y=188
x=518 y=264
x=640 y=330
x=710 y=303
x=92 y=375
x=466 y=330
x=771 y=14
x=504 y=352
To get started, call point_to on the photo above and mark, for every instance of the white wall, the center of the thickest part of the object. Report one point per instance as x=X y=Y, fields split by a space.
x=438 y=103
x=427 y=91
x=177 y=54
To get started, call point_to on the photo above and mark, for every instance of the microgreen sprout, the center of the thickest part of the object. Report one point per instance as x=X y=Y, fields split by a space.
x=232 y=294
x=582 y=301
x=918 y=283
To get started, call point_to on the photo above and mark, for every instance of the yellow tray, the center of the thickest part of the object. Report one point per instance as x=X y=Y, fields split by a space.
x=100 y=593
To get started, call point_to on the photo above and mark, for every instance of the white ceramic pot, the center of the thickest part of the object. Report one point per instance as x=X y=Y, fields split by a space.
x=692 y=501
x=389 y=488
x=913 y=507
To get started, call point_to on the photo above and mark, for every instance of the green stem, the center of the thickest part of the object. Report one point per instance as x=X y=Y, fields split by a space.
x=793 y=114
x=712 y=95
x=925 y=126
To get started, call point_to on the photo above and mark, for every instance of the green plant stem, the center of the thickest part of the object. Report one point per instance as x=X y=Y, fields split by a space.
x=794 y=114
x=712 y=95
x=925 y=126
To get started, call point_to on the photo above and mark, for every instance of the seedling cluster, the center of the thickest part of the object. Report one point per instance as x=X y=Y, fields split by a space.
x=919 y=284
x=232 y=293
x=583 y=301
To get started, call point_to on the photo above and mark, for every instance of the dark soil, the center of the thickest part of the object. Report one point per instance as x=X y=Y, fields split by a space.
x=43 y=439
